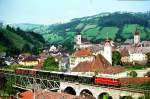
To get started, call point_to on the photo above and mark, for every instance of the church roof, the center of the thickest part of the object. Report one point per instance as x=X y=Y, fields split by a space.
x=99 y=64
x=136 y=33
x=83 y=52
x=143 y=50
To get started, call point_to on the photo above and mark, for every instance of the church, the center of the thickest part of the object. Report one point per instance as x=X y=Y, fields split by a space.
x=84 y=54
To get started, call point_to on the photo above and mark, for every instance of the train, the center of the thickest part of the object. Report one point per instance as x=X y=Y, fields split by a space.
x=69 y=77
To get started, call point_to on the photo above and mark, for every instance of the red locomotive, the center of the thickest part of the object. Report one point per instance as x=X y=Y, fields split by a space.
x=107 y=81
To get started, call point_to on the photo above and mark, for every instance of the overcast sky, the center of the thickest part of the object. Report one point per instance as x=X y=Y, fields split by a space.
x=56 y=11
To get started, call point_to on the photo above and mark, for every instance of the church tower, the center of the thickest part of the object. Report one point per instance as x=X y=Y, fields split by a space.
x=136 y=37
x=108 y=51
x=78 y=39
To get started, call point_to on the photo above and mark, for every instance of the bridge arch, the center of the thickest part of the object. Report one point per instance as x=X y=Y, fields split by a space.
x=70 y=90
x=87 y=94
x=104 y=95
x=126 y=97
x=86 y=91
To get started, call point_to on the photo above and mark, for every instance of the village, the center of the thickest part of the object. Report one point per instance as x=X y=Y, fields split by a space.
x=90 y=58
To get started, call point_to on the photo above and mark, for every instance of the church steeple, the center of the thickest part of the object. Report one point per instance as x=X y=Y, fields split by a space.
x=136 y=37
x=108 y=50
x=78 y=38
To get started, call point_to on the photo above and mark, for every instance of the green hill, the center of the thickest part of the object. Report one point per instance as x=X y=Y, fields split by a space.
x=118 y=25
x=14 y=41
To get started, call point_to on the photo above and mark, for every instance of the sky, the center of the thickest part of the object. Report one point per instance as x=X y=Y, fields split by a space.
x=59 y=11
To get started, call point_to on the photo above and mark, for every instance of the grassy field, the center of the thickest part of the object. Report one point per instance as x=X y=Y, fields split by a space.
x=92 y=32
x=88 y=26
x=53 y=38
x=112 y=31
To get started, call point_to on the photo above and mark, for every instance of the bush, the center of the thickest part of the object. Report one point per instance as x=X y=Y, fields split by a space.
x=132 y=74
x=50 y=64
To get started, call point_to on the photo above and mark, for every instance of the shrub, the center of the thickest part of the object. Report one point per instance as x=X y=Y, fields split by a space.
x=132 y=74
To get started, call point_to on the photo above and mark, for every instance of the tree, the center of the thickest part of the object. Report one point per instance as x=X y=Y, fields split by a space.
x=26 y=48
x=35 y=50
x=116 y=58
x=148 y=59
x=132 y=74
x=1 y=24
x=50 y=64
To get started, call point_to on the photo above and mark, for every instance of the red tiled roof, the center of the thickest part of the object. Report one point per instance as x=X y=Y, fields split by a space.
x=99 y=64
x=47 y=95
x=26 y=95
x=30 y=58
x=83 y=52
x=124 y=52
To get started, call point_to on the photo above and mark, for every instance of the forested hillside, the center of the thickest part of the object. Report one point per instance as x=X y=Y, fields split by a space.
x=118 y=25
x=14 y=41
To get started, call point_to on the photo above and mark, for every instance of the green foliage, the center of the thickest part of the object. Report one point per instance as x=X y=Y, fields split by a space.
x=112 y=31
x=132 y=74
x=26 y=48
x=50 y=64
x=11 y=38
x=13 y=41
x=116 y=57
x=134 y=67
x=146 y=96
x=93 y=32
x=145 y=85
x=148 y=59
x=54 y=38
x=118 y=25
x=2 y=48
x=120 y=19
x=14 y=67
x=7 y=89
x=126 y=97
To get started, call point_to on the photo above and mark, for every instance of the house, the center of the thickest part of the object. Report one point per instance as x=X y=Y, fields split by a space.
x=29 y=61
x=138 y=55
x=125 y=57
x=64 y=63
x=10 y=60
x=81 y=42
x=53 y=49
x=145 y=43
x=80 y=55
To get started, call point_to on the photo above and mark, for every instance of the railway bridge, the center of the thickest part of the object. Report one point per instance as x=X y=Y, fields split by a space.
x=27 y=82
x=99 y=91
